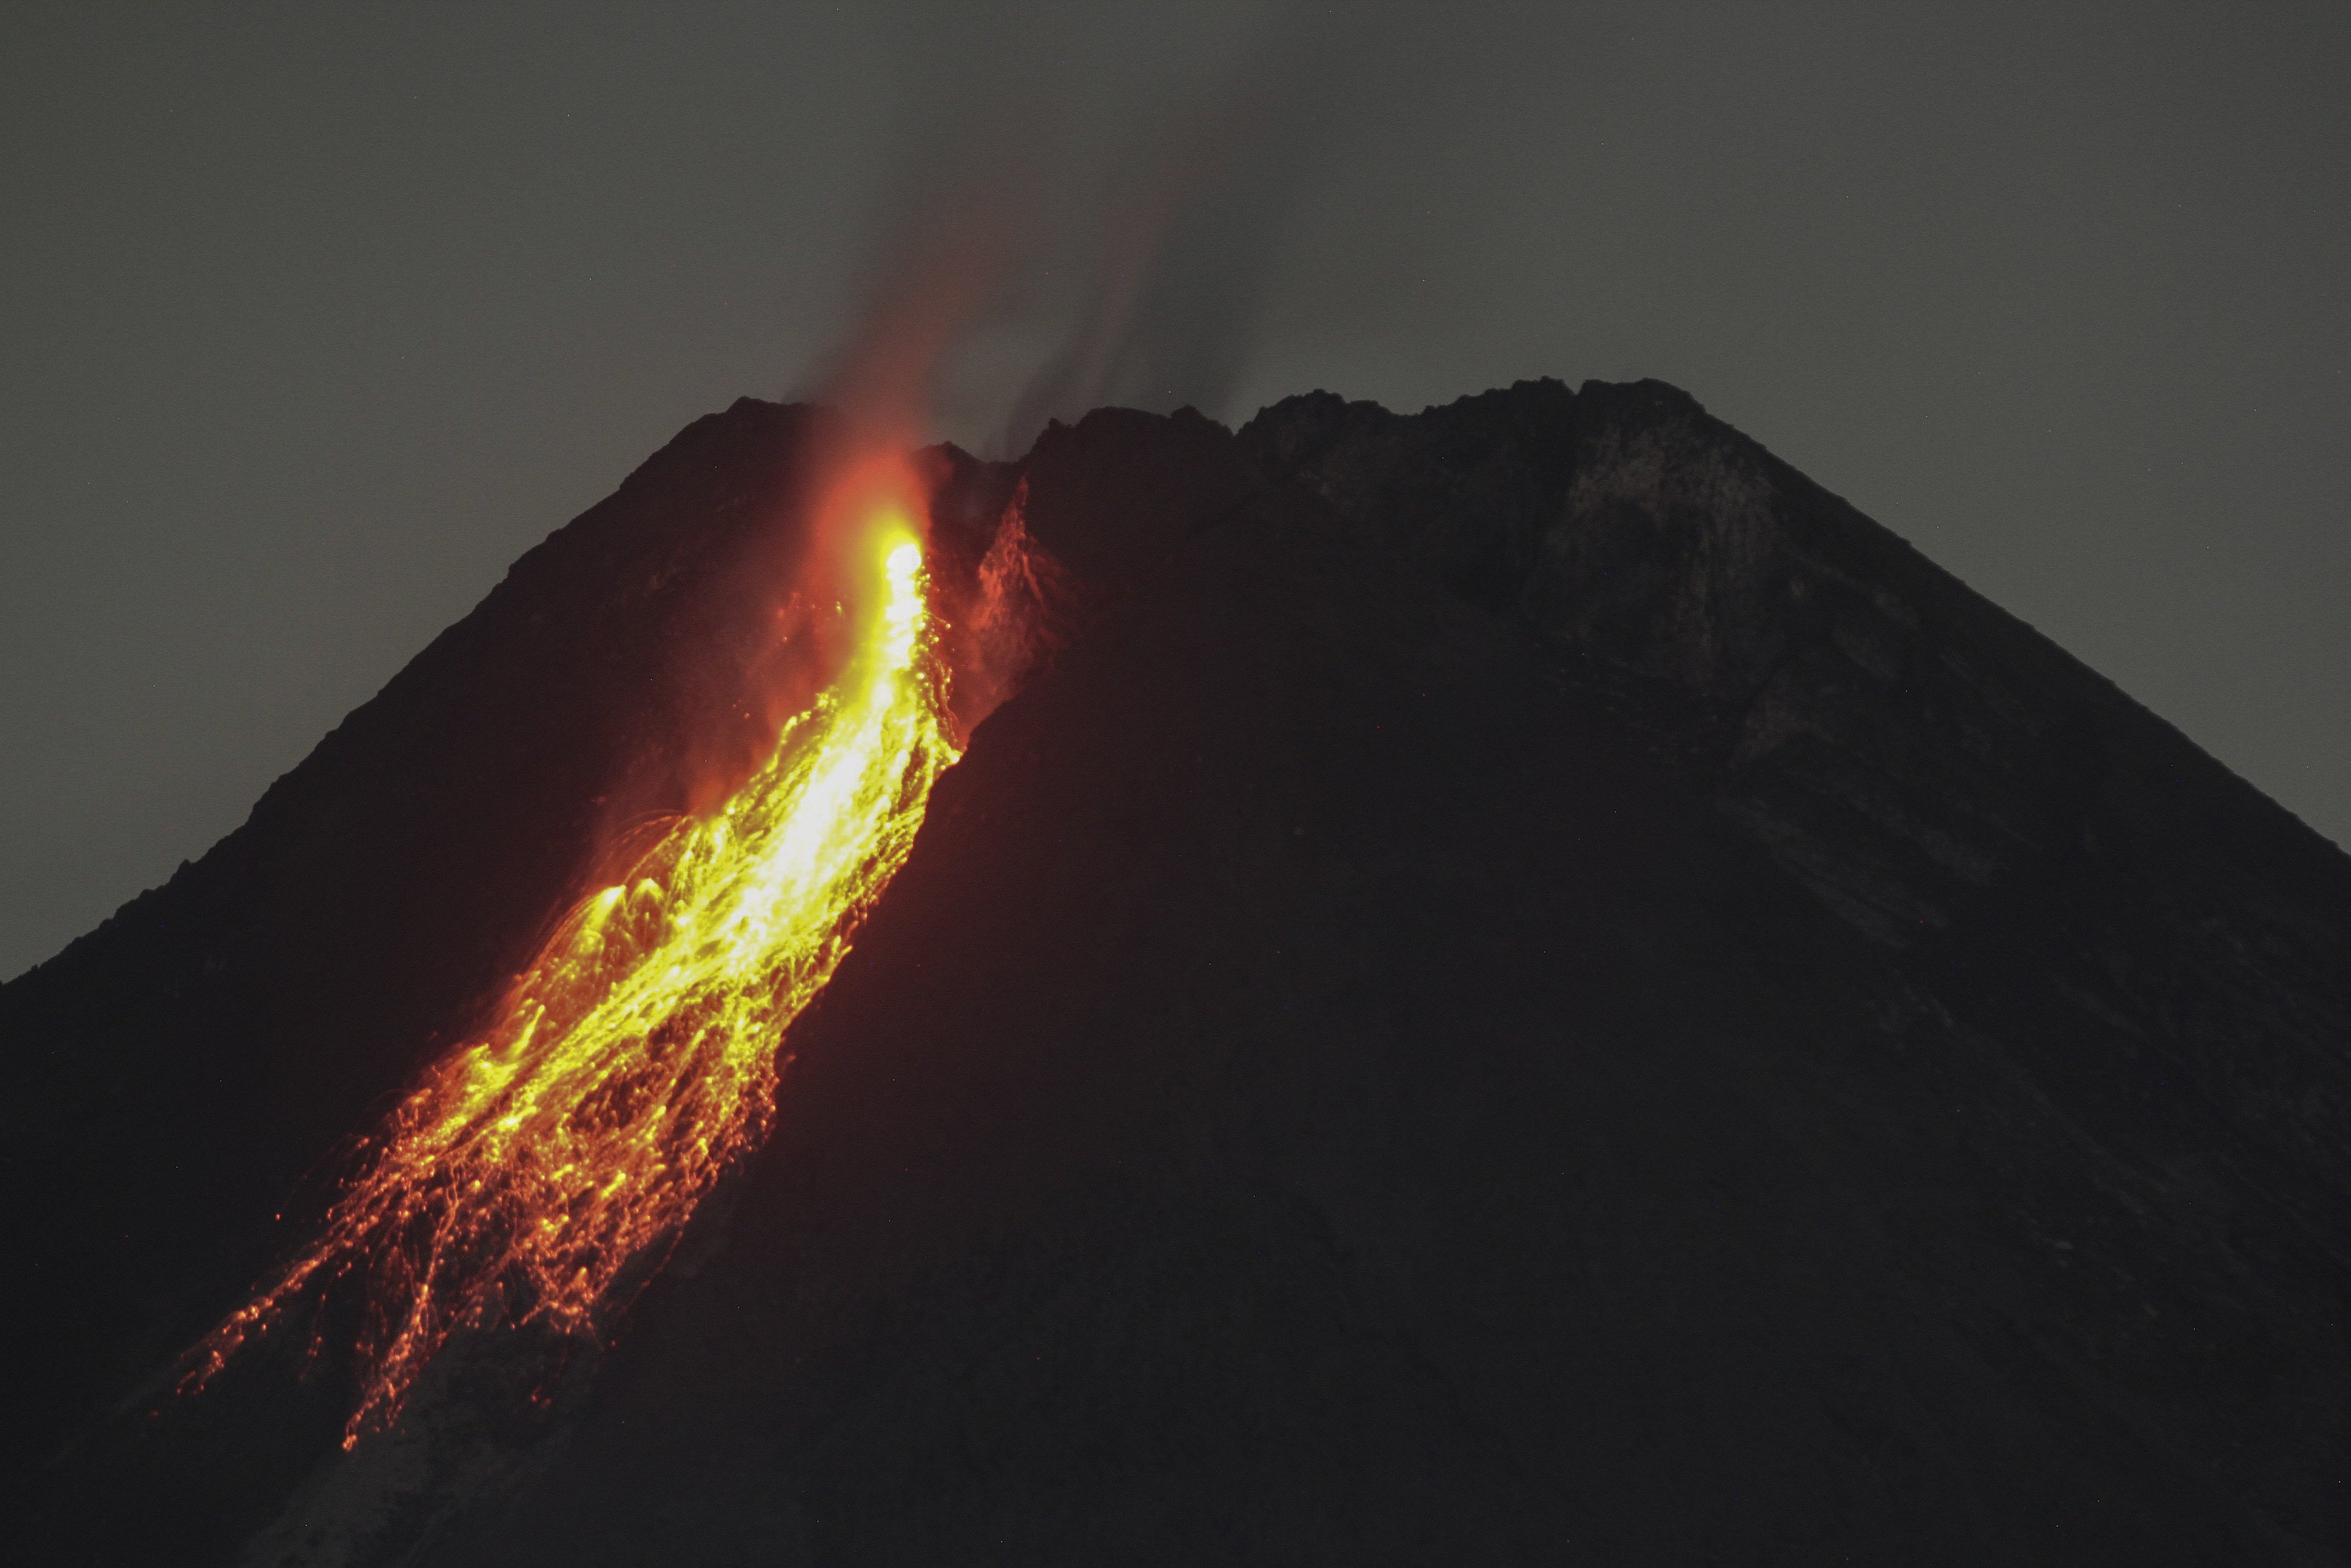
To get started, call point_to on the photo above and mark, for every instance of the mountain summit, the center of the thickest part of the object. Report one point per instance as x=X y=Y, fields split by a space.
x=1507 y=983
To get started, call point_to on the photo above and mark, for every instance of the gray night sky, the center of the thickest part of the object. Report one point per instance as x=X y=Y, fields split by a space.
x=315 y=317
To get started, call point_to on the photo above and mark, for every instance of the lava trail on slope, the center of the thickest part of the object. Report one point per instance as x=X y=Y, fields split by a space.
x=539 y=1166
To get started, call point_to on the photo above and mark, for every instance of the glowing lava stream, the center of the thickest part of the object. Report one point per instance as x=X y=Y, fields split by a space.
x=637 y=1056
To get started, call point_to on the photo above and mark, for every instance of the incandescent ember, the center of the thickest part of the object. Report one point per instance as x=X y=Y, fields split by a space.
x=537 y=1165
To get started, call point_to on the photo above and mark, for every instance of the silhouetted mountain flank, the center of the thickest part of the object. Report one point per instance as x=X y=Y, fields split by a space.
x=1522 y=980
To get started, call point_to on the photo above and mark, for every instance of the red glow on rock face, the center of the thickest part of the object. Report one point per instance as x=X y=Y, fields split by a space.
x=542 y=1167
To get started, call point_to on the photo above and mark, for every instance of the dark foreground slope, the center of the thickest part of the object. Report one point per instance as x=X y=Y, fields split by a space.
x=1527 y=984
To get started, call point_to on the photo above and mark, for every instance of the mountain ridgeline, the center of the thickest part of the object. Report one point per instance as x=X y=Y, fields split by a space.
x=1514 y=984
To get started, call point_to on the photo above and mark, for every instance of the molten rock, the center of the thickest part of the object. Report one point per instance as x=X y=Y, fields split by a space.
x=1511 y=981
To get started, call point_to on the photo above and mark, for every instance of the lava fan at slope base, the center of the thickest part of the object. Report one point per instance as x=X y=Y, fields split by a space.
x=638 y=1054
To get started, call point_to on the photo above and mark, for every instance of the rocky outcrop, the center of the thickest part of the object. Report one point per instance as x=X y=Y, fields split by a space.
x=2048 y=859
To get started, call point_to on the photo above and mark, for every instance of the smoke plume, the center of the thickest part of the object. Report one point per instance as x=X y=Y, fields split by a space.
x=1064 y=236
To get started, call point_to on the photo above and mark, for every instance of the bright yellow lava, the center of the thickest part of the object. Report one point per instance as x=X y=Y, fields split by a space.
x=638 y=1055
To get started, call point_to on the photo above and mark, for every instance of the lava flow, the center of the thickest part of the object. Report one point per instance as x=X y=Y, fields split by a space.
x=638 y=1054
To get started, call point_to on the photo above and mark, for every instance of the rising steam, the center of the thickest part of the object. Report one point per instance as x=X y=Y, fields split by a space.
x=1063 y=239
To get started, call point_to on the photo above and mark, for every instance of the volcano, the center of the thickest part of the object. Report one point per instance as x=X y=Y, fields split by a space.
x=1515 y=984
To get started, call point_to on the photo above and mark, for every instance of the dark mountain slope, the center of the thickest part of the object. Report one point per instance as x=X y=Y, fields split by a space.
x=175 y=1073
x=2160 y=947
x=1526 y=982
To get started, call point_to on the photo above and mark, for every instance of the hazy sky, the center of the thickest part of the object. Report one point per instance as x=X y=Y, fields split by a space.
x=314 y=316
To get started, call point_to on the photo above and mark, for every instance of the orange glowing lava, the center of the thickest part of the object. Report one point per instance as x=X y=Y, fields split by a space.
x=637 y=1056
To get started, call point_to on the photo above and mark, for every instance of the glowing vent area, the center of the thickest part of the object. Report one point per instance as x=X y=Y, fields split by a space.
x=638 y=1054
